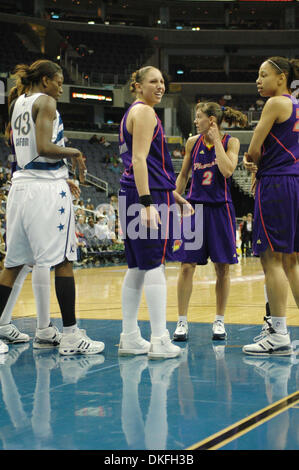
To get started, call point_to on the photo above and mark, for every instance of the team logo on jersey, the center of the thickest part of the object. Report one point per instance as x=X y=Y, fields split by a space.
x=176 y=245
x=259 y=242
x=202 y=152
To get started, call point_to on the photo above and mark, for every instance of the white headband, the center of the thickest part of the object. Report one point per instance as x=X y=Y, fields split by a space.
x=277 y=66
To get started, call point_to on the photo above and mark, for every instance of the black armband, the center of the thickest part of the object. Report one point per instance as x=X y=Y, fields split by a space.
x=146 y=200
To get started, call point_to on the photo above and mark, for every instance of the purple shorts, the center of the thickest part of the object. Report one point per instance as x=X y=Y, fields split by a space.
x=276 y=214
x=218 y=235
x=145 y=248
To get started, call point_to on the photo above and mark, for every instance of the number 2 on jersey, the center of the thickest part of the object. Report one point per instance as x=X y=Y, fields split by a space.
x=207 y=178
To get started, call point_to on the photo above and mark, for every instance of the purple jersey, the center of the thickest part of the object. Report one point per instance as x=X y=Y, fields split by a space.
x=159 y=164
x=280 y=150
x=208 y=185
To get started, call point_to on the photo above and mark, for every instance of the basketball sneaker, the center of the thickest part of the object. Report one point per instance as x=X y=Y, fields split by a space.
x=11 y=334
x=79 y=343
x=181 y=332
x=3 y=347
x=132 y=344
x=265 y=328
x=273 y=343
x=46 y=338
x=218 y=329
x=161 y=347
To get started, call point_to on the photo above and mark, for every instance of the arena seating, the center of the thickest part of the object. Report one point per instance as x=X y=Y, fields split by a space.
x=102 y=56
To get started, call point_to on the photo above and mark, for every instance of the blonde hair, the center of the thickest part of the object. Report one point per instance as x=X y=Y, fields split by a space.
x=138 y=77
x=222 y=113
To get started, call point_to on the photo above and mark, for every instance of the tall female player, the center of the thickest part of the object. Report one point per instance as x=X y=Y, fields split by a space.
x=274 y=149
x=212 y=156
x=148 y=180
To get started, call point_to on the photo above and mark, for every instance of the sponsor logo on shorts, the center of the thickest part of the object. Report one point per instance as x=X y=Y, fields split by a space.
x=176 y=245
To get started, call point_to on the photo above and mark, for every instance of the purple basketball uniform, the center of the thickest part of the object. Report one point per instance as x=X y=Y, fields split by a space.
x=145 y=248
x=211 y=189
x=276 y=211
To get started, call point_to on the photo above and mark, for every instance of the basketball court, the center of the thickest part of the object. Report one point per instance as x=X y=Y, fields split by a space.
x=212 y=397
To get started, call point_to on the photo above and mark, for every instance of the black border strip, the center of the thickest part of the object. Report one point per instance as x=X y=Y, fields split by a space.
x=245 y=425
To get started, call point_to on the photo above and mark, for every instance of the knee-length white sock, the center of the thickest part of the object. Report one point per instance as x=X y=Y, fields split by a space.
x=156 y=298
x=41 y=286
x=131 y=296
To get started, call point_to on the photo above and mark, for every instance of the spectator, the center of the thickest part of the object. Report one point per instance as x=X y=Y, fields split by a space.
x=115 y=168
x=92 y=240
x=104 y=142
x=107 y=159
x=94 y=139
x=177 y=153
x=246 y=235
x=89 y=207
x=101 y=229
x=81 y=225
x=81 y=248
x=80 y=209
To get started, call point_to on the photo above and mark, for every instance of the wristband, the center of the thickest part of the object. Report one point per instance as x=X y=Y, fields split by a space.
x=146 y=200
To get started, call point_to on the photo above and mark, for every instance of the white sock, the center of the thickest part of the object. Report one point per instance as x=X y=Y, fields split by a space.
x=183 y=318
x=156 y=297
x=41 y=286
x=219 y=317
x=5 y=318
x=131 y=296
x=68 y=330
x=265 y=294
x=279 y=324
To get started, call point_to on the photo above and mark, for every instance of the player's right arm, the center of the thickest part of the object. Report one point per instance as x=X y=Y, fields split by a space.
x=184 y=175
x=143 y=125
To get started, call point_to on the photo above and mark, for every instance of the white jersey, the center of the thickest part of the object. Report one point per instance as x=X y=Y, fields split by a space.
x=30 y=165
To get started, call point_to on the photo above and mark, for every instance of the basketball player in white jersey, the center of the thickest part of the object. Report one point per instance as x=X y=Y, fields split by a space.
x=40 y=218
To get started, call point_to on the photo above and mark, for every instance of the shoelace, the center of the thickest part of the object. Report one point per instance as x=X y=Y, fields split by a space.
x=265 y=330
x=181 y=325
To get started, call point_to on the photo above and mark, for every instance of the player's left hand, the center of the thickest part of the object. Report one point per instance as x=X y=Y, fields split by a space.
x=249 y=165
x=185 y=206
x=79 y=163
x=213 y=132
x=75 y=190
